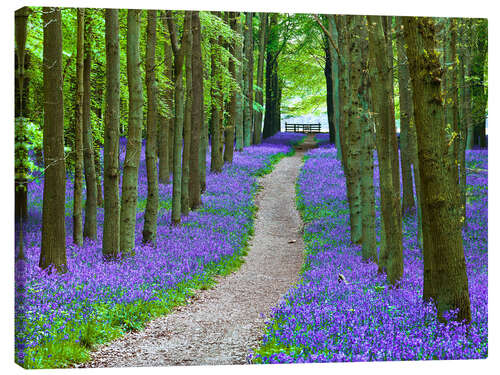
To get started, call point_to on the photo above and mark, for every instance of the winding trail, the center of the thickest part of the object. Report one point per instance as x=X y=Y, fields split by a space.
x=221 y=325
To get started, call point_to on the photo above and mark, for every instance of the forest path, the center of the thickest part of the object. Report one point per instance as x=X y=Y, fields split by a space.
x=219 y=326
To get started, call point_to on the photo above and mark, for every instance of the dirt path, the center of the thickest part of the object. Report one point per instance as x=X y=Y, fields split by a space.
x=219 y=326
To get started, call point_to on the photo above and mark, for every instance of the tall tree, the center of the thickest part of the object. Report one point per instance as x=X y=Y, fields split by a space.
x=78 y=145
x=179 y=51
x=465 y=108
x=248 y=80
x=445 y=276
x=166 y=124
x=196 y=115
x=151 y=213
x=90 y=225
x=21 y=83
x=111 y=227
x=186 y=152
x=408 y=136
x=478 y=86
x=238 y=118
x=367 y=145
x=259 y=94
x=335 y=61
x=272 y=121
x=391 y=252
x=330 y=98
x=405 y=110
x=21 y=152
x=216 y=103
x=53 y=249
x=134 y=135
x=353 y=131
x=229 y=131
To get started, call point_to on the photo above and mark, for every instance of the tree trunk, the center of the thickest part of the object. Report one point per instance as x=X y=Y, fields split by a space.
x=330 y=98
x=259 y=94
x=78 y=145
x=134 y=136
x=343 y=79
x=151 y=213
x=53 y=249
x=229 y=132
x=165 y=124
x=479 y=96
x=405 y=119
x=272 y=111
x=196 y=115
x=186 y=152
x=464 y=115
x=98 y=172
x=238 y=119
x=366 y=124
x=179 y=52
x=391 y=252
x=248 y=80
x=353 y=131
x=445 y=277
x=90 y=225
x=111 y=232
x=21 y=88
x=335 y=61
x=216 y=96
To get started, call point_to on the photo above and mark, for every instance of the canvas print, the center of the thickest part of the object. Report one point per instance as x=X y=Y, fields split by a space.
x=230 y=187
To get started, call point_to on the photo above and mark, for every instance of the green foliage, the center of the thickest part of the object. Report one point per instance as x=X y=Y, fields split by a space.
x=24 y=145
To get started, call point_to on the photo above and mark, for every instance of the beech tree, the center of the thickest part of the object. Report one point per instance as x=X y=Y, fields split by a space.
x=151 y=213
x=186 y=152
x=179 y=51
x=78 y=145
x=259 y=93
x=53 y=247
x=197 y=117
x=391 y=248
x=134 y=135
x=248 y=80
x=90 y=225
x=111 y=226
x=445 y=276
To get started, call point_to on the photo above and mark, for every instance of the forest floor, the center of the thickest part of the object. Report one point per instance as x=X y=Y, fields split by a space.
x=221 y=325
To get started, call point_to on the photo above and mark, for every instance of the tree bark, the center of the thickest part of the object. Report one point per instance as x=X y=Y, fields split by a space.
x=353 y=131
x=259 y=94
x=165 y=141
x=216 y=99
x=405 y=120
x=391 y=252
x=332 y=27
x=196 y=115
x=90 y=224
x=367 y=145
x=479 y=97
x=111 y=227
x=186 y=152
x=248 y=80
x=179 y=52
x=330 y=98
x=445 y=277
x=53 y=248
x=272 y=112
x=151 y=213
x=21 y=87
x=238 y=119
x=134 y=136
x=78 y=145
x=229 y=131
